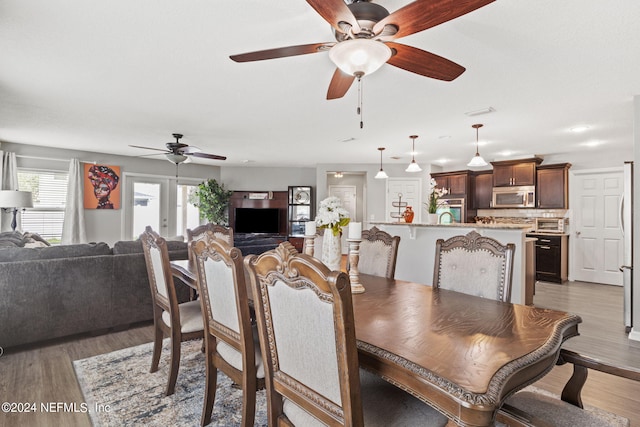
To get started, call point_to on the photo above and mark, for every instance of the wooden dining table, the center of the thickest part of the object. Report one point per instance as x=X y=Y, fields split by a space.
x=462 y=354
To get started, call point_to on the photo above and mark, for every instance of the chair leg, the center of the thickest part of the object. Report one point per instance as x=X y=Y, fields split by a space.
x=209 y=389
x=175 y=364
x=248 y=397
x=157 y=349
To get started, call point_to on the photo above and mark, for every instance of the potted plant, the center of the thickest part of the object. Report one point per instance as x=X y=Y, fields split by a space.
x=434 y=196
x=213 y=201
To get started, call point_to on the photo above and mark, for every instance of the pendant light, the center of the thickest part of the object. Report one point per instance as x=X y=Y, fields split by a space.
x=477 y=160
x=381 y=173
x=413 y=166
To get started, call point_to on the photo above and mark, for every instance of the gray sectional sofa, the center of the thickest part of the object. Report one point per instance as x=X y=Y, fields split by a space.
x=57 y=291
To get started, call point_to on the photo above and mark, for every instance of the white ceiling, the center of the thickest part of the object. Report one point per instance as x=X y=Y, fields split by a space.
x=100 y=75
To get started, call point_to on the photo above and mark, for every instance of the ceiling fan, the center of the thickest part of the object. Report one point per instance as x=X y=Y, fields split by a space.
x=177 y=152
x=365 y=32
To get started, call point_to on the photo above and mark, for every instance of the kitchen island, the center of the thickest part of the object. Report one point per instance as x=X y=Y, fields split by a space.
x=417 y=249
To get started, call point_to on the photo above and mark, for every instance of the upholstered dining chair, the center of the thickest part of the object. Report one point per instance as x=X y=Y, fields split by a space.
x=180 y=322
x=231 y=342
x=537 y=408
x=378 y=253
x=305 y=320
x=476 y=265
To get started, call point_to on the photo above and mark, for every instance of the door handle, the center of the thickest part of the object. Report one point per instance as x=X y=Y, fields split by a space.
x=544 y=247
x=625 y=267
x=578 y=233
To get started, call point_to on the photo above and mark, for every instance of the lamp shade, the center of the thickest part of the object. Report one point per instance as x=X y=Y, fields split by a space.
x=413 y=167
x=381 y=175
x=16 y=199
x=477 y=161
x=359 y=56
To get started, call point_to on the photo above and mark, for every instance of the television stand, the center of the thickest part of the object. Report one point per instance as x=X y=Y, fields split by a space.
x=257 y=243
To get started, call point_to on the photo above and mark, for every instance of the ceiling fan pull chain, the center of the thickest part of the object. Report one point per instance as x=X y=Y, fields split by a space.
x=359 y=110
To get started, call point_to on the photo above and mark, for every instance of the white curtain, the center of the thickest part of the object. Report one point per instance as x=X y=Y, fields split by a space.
x=73 y=230
x=8 y=181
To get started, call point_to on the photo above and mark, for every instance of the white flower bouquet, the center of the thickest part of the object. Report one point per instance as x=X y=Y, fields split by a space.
x=434 y=196
x=332 y=215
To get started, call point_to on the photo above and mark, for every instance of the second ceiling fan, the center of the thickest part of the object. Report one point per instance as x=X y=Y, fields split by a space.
x=365 y=32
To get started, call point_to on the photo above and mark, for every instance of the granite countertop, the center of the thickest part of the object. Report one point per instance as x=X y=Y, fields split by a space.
x=499 y=226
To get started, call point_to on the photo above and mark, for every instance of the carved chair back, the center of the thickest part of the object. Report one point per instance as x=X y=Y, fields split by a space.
x=207 y=231
x=475 y=265
x=378 y=253
x=163 y=292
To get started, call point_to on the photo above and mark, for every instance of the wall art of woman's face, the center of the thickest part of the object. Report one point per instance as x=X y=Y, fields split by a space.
x=104 y=180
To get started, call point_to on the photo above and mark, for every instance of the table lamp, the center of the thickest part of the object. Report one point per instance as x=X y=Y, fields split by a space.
x=13 y=199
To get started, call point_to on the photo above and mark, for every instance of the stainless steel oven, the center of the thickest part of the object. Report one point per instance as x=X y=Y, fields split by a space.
x=450 y=211
x=514 y=197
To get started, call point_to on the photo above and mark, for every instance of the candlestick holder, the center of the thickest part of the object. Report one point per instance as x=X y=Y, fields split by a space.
x=309 y=244
x=354 y=258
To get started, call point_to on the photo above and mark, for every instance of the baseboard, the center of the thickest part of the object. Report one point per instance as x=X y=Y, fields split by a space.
x=634 y=334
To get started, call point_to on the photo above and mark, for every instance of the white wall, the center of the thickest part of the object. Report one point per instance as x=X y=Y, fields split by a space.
x=266 y=179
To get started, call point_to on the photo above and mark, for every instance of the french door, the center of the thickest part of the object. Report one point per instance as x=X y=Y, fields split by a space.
x=159 y=202
x=146 y=204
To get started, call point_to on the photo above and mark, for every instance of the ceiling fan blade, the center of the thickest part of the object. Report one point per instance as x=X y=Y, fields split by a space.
x=282 y=52
x=189 y=149
x=340 y=84
x=206 y=156
x=424 y=63
x=423 y=14
x=149 y=148
x=334 y=11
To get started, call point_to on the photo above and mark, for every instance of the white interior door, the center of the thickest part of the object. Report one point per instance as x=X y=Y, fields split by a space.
x=347 y=195
x=411 y=191
x=597 y=231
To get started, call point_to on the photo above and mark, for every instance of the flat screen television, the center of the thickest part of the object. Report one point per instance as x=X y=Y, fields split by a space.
x=257 y=220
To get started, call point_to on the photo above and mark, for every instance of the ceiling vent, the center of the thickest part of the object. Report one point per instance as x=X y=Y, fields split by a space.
x=480 y=112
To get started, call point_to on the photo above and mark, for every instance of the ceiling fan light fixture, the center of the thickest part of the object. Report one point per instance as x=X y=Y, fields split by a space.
x=358 y=57
x=413 y=166
x=477 y=160
x=175 y=157
x=381 y=173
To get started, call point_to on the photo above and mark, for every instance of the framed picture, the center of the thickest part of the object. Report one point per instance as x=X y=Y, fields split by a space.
x=101 y=189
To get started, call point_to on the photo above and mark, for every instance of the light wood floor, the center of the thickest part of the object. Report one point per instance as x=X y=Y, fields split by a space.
x=602 y=335
x=45 y=373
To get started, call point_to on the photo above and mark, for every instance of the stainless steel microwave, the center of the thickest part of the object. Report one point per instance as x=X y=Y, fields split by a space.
x=514 y=197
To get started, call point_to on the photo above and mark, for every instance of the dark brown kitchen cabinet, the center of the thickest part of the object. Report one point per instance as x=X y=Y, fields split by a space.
x=552 y=189
x=482 y=189
x=551 y=257
x=456 y=183
x=515 y=173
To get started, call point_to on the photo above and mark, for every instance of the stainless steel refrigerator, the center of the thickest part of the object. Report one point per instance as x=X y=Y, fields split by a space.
x=626 y=213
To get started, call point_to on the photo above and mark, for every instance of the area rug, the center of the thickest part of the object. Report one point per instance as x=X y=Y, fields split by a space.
x=135 y=397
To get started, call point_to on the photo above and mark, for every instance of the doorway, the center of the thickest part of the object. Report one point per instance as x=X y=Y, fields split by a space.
x=596 y=197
